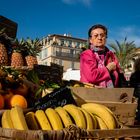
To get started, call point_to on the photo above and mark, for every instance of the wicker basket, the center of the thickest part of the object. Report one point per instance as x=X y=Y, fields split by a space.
x=70 y=133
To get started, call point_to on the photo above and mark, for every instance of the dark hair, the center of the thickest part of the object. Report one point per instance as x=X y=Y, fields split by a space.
x=95 y=27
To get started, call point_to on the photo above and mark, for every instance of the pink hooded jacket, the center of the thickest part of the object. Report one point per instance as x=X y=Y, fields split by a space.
x=91 y=73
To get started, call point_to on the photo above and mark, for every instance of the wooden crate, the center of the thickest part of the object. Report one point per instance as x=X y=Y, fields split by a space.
x=75 y=133
x=52 y=73
x=119 y=100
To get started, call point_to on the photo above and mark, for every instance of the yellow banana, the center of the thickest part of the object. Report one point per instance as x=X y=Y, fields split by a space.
x=31 y=121
x=94 y=120
x=54 y=119
x=43 y=120
x=64 y=116
x=18 y=118
x=102 y=112
x=6 y=120
x=76 y=114
x=118 y=124
x=90 y=123
x=100 y=123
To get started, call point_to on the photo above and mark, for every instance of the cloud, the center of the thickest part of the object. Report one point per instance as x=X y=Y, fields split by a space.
x=131 y=32
x=84 y=2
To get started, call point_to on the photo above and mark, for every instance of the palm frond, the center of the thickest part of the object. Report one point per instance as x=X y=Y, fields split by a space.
x=124 y=51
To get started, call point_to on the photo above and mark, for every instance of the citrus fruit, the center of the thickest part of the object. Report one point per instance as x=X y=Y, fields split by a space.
x=18 y=100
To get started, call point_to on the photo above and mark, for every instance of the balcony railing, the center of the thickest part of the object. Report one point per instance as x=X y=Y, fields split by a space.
x=64 y=54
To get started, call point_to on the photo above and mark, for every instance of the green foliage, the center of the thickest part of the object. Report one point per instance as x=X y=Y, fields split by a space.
x=33 y=46
x=41 y=84
x=124 y=51
x=18 y=45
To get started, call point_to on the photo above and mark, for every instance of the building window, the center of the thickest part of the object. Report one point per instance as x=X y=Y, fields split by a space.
x=44 y=53
x=71 y=52
x=62 y=42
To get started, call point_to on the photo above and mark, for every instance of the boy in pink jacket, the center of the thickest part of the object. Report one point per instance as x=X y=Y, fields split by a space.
x=99 y=65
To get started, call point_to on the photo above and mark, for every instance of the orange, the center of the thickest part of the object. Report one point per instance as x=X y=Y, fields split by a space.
x=7 y=98
x=1 y=102
x=18 y=100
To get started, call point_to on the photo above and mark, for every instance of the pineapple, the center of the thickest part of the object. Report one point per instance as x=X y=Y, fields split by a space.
x=31 y=61
x=17 y=58
x=3 y=49
x=3 y=55
x=33 y=47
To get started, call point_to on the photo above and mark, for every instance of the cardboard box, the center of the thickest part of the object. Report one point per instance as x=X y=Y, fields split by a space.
x=118 y=100
x=104 y=94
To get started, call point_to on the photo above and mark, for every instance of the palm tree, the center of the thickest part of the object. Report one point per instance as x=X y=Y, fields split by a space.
x=124 y=51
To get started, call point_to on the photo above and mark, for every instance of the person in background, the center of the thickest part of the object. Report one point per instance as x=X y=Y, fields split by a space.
x=135 y=83
x=99 y=65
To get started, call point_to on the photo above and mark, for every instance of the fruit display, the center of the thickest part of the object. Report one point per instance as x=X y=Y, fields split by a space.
x=21 y=90
x=13 y=90
x=18 y=52
x=84 y=117
x=22 y=87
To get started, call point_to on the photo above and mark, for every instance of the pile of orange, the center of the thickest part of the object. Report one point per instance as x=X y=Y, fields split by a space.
x=18 y=100
x=11 y=100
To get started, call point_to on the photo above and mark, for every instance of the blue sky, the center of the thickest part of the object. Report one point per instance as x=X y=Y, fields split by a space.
x=38 y=18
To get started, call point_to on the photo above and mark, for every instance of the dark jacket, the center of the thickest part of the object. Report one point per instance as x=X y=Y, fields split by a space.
x=135 y=83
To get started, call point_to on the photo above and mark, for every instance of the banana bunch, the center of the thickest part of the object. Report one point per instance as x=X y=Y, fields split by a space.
x=103 y=115
x=14 y=118
x=89 y=116
x=61 y=117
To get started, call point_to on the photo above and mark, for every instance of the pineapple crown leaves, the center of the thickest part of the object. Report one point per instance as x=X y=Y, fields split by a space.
x=18 y=45
x=33 y=46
